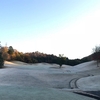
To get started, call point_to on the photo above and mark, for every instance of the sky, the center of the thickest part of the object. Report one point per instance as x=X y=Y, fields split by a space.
x=69 y=27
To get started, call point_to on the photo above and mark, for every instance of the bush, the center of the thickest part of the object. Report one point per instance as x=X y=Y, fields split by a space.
x=1 y=61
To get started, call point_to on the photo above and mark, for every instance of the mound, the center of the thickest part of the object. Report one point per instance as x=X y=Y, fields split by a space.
x=91 y=83
x=14 y=63
x=19 y=62
x=86 y=66
x=9 y=63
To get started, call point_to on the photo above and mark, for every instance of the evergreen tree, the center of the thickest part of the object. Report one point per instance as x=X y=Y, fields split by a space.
x=10 y=50
x=1 y=58
x=1 y=61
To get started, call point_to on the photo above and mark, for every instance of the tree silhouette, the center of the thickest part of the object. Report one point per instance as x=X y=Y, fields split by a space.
x=62 y=59
x=10 y=50
x=1 y=58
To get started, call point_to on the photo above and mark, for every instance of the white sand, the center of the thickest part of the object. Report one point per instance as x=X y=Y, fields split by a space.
x=9 y=63
x=15 y=63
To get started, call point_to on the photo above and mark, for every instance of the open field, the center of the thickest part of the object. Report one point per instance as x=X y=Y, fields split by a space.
x=42 y=81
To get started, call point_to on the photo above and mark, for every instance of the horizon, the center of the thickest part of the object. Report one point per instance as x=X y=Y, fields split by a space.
x=52 y=27
x=45 y=53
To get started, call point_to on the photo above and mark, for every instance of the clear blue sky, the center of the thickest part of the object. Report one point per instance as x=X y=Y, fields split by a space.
x=69 y=27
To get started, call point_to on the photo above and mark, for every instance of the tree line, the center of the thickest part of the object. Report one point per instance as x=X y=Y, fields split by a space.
x=11 y=54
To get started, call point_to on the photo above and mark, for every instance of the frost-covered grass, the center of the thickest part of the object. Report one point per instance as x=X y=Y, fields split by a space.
x=43 y=81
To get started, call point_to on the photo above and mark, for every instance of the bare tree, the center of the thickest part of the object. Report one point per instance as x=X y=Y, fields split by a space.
x=96 y=54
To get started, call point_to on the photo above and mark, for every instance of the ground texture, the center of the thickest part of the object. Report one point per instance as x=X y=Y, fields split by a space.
x=20 y=81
